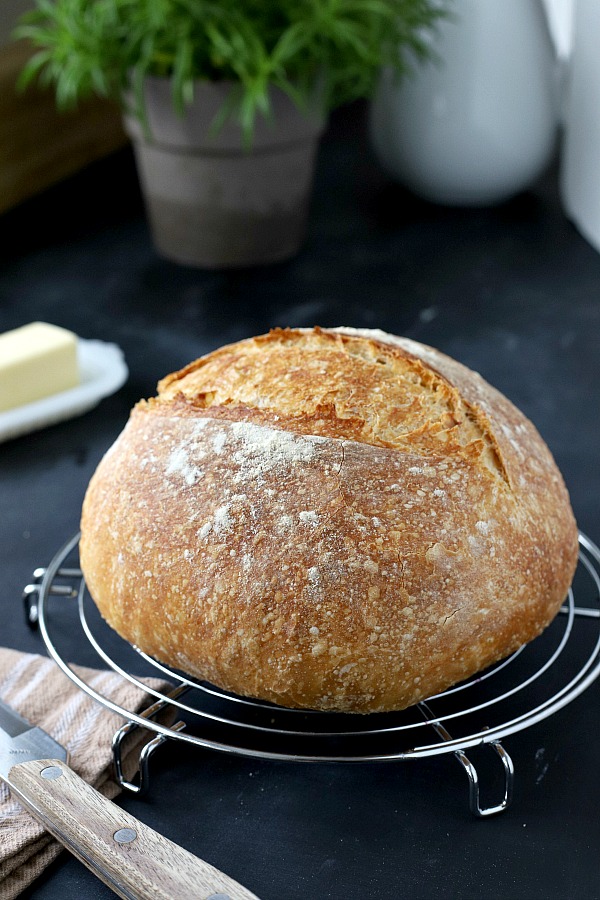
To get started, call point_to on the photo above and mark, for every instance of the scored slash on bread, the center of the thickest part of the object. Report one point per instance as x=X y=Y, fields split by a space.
x=330 y=519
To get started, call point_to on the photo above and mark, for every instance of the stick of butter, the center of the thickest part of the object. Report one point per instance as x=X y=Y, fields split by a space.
x=36 y=361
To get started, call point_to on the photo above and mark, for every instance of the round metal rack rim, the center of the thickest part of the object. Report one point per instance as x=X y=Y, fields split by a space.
x=51 y=582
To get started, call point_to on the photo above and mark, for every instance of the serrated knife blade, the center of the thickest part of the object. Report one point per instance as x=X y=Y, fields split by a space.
x=136 y=862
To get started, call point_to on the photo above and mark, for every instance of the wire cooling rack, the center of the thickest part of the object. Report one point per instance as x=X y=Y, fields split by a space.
x=532 y=684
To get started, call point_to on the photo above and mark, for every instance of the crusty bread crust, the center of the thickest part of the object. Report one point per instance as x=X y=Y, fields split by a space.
x=329 y=519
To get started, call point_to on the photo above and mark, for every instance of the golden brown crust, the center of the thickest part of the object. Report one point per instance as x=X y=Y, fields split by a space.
x=328 y=519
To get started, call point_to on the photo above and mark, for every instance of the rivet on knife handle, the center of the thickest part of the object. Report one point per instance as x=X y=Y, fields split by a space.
x=140 y=864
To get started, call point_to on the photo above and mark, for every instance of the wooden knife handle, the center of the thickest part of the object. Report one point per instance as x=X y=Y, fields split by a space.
x=132 y=859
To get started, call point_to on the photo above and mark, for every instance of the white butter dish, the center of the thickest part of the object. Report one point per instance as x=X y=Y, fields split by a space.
x=102 y=370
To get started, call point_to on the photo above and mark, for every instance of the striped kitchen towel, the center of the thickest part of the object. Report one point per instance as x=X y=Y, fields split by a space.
x=42 y=693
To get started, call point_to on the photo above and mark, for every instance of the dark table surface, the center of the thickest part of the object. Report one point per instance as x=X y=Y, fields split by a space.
x=513 y=292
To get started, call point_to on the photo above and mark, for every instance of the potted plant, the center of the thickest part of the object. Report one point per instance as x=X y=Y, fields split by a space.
x=224 y=100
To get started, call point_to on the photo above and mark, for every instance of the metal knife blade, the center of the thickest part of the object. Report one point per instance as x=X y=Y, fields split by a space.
x=22 y=742
x=98 y=832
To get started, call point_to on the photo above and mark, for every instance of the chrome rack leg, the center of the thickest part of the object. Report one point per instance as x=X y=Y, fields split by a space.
x=31 y=592
x=471 y=771
x=146 y=751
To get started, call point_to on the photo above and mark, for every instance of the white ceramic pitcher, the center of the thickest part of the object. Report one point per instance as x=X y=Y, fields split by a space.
x=477 y=123
x=580 y=164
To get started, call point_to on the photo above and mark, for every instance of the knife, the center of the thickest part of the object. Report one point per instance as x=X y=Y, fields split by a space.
x=136 y=862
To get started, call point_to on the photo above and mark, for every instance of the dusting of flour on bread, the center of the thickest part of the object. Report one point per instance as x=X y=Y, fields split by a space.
x=336 y=519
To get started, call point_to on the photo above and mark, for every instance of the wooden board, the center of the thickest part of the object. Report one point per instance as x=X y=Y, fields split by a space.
x=40 y=146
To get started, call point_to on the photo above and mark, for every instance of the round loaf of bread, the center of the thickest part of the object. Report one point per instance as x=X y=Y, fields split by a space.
x=329 y=519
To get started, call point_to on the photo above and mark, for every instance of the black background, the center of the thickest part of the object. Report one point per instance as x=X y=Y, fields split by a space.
x=511 y=291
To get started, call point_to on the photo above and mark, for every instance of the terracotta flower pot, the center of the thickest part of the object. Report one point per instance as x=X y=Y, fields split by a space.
x=211 y=202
